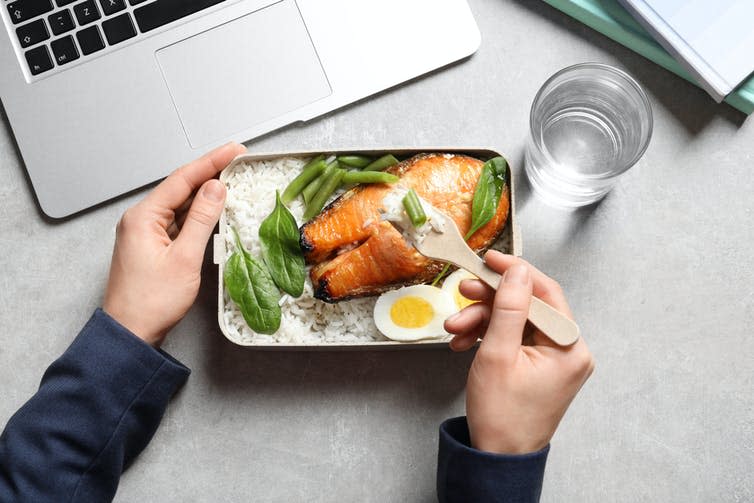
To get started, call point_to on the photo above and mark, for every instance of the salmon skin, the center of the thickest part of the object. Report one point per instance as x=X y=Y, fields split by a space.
x=354 y=253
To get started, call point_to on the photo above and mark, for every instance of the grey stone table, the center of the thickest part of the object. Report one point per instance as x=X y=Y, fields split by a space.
x=660 y=274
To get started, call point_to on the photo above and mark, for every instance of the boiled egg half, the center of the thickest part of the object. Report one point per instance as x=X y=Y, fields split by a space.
x=451 y=284
x=412 y=313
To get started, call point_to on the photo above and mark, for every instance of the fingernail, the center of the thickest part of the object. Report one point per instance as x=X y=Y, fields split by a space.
x=214 y=191
x=453 y=318
x=233 y=144
x=517 y=274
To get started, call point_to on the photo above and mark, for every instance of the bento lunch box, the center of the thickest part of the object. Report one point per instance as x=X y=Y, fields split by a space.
x=511 y=232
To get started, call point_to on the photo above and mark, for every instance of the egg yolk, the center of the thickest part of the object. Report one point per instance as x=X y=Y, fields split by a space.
x=462 y=301
x=411 y=312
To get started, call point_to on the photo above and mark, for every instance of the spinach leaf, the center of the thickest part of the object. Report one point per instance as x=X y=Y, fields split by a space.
x=252 y=289
x=487 y=194
x=489 y=189
x=279 y=235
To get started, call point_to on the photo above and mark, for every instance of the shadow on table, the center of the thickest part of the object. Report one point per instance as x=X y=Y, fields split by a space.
x=571 y=222
x=693 y=108
x=433 y=377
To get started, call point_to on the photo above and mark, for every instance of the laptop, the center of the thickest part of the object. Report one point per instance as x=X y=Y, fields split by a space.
x=106 y=96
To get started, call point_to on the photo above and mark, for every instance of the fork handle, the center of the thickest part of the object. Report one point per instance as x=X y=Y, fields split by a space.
x=560 y=329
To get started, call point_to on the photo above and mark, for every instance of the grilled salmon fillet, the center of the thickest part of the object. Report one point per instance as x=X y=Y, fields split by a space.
x=355 y=254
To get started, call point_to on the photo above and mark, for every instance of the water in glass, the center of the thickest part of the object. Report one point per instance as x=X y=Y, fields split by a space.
x=589 y=123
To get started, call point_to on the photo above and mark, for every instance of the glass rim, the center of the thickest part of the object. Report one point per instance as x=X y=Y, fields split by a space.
x=609 y=69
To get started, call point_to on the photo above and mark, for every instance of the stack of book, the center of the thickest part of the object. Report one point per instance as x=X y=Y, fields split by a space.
x=707 y=43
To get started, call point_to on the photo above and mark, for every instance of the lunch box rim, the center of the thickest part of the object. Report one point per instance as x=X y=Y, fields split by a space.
x=219 y=252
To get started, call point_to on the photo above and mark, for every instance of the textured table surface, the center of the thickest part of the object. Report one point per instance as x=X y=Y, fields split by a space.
x=660 y=275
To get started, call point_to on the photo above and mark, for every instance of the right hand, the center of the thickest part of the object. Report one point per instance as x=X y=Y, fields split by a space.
x=520 y=383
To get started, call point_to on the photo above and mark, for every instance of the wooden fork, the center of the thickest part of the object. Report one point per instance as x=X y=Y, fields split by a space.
x=449 y=246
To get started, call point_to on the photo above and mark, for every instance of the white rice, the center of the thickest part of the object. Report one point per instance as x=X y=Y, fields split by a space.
x=394 y=211
x=305 y=320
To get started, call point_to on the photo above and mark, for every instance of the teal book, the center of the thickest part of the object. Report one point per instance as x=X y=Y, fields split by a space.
x=611 y=19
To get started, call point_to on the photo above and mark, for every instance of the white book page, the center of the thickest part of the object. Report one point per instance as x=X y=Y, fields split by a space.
x=714 y=37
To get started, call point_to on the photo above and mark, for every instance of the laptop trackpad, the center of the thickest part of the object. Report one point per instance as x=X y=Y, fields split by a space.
x=243 y=73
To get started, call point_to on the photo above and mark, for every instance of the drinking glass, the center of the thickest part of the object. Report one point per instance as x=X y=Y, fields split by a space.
x=589 y=123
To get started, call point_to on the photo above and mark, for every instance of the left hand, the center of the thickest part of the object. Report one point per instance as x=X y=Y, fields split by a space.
x=159 y=247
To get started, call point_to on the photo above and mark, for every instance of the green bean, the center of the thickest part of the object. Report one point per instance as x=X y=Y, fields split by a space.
x=369 y=177
x=311 y=190
x=312 y=170
x=354 y=161
x=331 y=183
x=440 y=275
x=382 y=163
x=414 y=209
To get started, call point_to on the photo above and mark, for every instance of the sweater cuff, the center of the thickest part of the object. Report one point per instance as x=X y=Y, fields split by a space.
x=115 y=353
x=467 y=474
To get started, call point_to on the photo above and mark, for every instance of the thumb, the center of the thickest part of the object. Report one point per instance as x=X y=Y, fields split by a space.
x=509 y=312
x=201 y=219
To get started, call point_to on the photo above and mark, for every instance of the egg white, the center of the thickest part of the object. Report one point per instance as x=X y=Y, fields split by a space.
x=442 y=305
x=451 y=284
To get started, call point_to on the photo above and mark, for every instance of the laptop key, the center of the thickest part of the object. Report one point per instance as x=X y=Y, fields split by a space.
x=86 y=12
x=61 y=22
x=23 y=10
x=64 y=50
x=63 y=3
x=162 y=12
x=39 y=60
x=90 y=40
x=32 y=33
x=118 y=29
x=136 y=2
x=112 y=6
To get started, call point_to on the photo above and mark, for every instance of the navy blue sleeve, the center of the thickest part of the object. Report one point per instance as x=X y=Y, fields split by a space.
x=465 y=474
x=97 y=407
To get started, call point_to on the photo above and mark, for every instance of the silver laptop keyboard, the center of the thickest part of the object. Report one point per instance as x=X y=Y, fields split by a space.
x=53 y=34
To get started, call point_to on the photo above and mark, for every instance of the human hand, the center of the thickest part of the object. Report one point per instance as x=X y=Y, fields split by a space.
x=520 y=383
x=159 y=247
